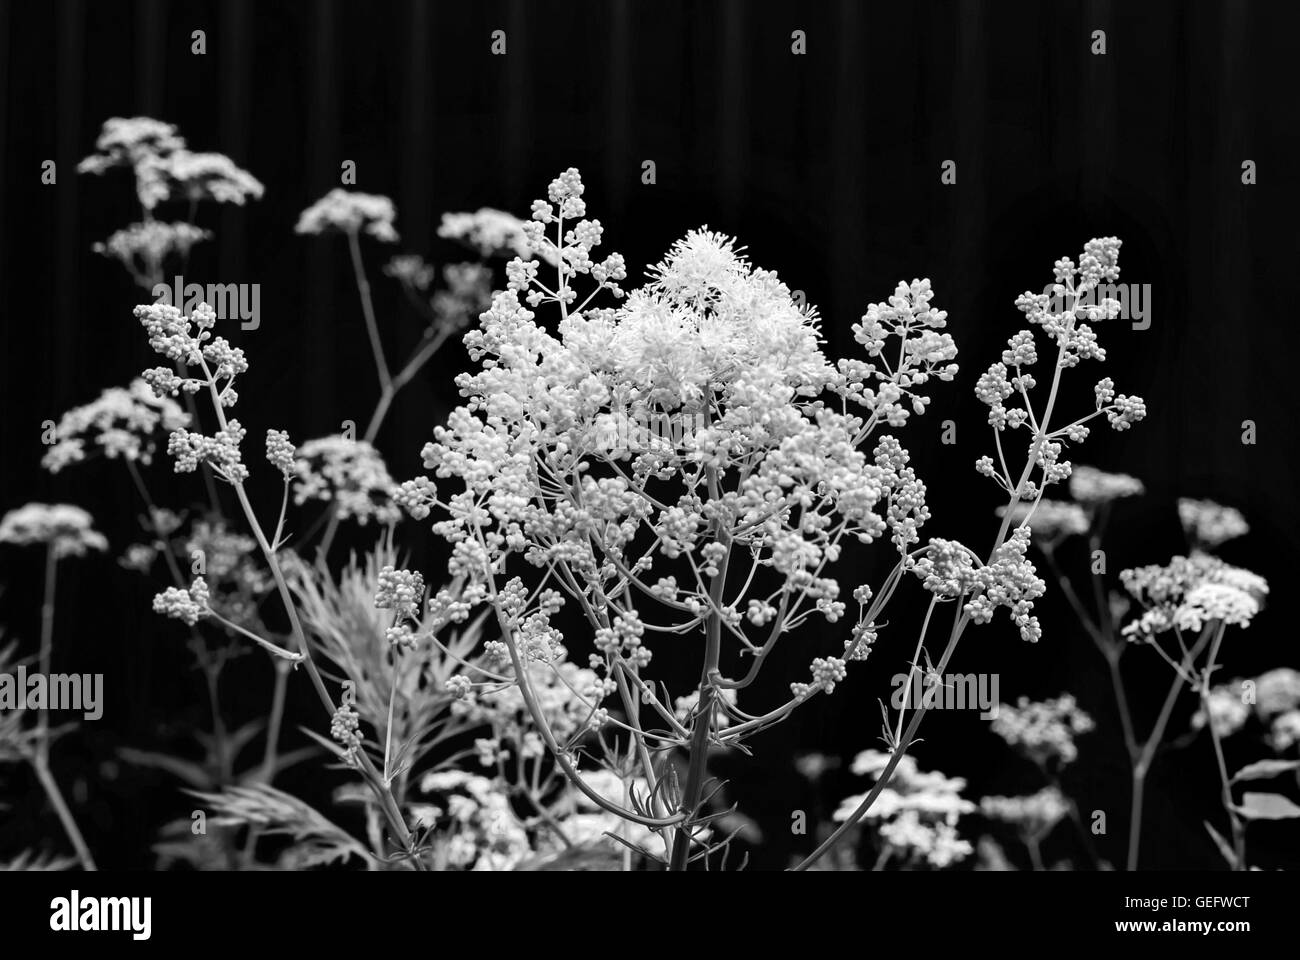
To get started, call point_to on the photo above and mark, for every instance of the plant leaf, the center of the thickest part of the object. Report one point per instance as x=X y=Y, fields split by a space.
x=1264 y=769
x=1225 y=848
x=1267 y=806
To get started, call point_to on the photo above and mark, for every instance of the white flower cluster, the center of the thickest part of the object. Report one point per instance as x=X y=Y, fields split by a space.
x=916 y=814
x=477 y=828
x=1009 y=580
x=144 y=247
x=121 y=423
x=350 y=212
x=401 y=591
x=891 y=394
x=1060 y=315
x=490 y=233
x=1210 y=524
x=709 y=339
x=1043 y=731
x=1273 y=698
x=189 y=606
x=164 y=166
x=350 y=474
x=65 y=529
x=1190 y=592
x=1049 y=520
x=1033 y=815
x=1092 y=487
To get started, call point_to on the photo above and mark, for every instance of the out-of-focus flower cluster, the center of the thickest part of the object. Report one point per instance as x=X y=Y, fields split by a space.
x=121 y=423
x=490 y=233
x=1033 y=815
x=165 y=168
x=466 y=291
x=143 y=248
x=1091 y=486
x=1272 y=698
x=350 y=212
x=479 y=829
x=916 y=813
x=1210 y=524
x=1189 y=592
x=1043 y=731
x=65 y=529
x=348 y=474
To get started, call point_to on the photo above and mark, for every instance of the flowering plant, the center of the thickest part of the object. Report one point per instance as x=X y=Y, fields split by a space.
x=726 y=531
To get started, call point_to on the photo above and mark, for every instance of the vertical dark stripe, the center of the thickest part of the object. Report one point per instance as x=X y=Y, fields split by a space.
x=417 y=182
x=847 y=216
x=1098 y=104
x=970 y=203
x=321 y=161
x=150 y=57
x=1229 y=241
x=7 y=303
x=415 y=213
x=237 y=43
x=63 y=345
x=732 y=122
x=515 y=90
x=620 y=165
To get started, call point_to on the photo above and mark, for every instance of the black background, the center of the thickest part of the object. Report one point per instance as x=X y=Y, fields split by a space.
x=827 y=166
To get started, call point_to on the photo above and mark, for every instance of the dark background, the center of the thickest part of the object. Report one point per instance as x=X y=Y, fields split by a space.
x=827 y=166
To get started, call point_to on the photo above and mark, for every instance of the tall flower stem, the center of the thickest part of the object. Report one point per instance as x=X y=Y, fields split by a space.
x=382 y=790
x=1238 y=828
x=1142 y=765
x=40 y=760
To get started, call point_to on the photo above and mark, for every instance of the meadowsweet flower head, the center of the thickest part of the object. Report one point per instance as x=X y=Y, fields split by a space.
x=1190 y=592
x=916 y=813
x=1006 y=386
x=1285 y=731
x=351 y=475
x=1091 y=486
x=189 y=606
x=1276 y=692
x=1032 y=815
x=1009 y=580
x=281 y=453
x=412 y=270
x=62 y=527
x=143 y=248
x=475 y=825
x=892 y=395
x=210 y=176
x=490 y=233
x=1226 y=707
x=400 y=590
x=1049 y=519
x=165 y=168
x=349 y=211
x=122 y=423
x=1210 y=524
x=219 y=451
x=1206 y=602
x=345 y=728
x=189 y=340
x=126 y=141
x=1045 y=731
